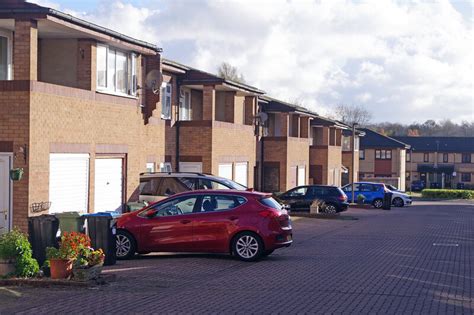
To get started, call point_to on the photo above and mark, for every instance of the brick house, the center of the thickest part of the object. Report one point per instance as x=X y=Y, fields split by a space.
x=347 y=139
x=209 y=123
x=382 y=159
x=441 y=162
x=325 y=153
x=285 y=145
x=72 y=114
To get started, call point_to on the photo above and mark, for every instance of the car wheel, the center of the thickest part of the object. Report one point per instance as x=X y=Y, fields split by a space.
x=330 y=208
x=125 y=245
x=398 y=202
x=378 y=203
x=247 y=246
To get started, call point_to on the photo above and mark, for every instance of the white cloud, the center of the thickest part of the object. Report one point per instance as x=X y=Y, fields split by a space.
x=404 y=60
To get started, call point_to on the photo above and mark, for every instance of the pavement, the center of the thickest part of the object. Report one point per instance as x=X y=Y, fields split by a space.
x=412 y=260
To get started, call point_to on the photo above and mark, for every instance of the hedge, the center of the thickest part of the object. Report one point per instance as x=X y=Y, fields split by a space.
x=448 y=193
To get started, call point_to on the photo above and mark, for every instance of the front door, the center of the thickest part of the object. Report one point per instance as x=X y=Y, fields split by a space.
x=5 y=192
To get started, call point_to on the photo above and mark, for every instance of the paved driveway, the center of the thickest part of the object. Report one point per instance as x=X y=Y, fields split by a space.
x=409 y=260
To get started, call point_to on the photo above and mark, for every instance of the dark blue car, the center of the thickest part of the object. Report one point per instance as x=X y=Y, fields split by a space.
x=373 y=193
x=417 y=185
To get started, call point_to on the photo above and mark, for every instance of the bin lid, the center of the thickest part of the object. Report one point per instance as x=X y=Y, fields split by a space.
x=71 y=214
x=112 y=214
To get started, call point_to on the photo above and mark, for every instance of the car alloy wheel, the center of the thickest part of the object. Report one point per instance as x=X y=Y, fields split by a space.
x=398 y=202
x=330 y=209
x=378 y=203
x=248 y=246
x=125 y=245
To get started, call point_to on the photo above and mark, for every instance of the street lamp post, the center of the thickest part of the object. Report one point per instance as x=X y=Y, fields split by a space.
x=353 y=161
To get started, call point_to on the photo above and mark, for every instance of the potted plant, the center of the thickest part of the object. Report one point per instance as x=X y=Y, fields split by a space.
x=16 y=256
x=315 y=205
x=16 y=174
x=360 y=199
x=62 y=258
x=88 y=264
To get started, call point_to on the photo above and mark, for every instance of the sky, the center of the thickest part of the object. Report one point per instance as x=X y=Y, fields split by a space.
x=404 y=61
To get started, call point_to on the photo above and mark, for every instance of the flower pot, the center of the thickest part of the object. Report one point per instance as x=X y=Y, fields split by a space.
x=86 y=274
x=7 y=267
x=60 y=268
x=16 y=174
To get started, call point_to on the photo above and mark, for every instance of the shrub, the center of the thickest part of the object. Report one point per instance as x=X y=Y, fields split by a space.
x=14 y=245
x=448 y=193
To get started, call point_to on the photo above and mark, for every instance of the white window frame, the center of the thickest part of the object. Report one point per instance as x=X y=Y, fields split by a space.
x=184 y=107
x=150 y=167
x=166 y=97
x=131 y=73
x=9 y=36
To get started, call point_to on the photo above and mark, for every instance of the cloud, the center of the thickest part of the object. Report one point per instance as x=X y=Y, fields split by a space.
x=404 y=61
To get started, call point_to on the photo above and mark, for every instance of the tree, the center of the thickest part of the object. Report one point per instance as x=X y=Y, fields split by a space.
x=229 y=72
x=350 y=114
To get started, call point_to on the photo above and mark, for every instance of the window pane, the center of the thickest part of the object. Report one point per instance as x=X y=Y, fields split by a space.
x=102 y=66
x=389 y=154
x=178 y=206
x=171 y=186
x=3 y=58
x=132 y=76
x=218 y=203
x=111 y=70
x=377 y=154
x=121 y=72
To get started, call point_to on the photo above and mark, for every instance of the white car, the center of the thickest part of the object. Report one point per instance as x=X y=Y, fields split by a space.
x=399 y=198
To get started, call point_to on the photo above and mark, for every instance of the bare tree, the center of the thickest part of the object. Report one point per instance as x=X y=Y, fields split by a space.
x=229 y=72
x=353 y=114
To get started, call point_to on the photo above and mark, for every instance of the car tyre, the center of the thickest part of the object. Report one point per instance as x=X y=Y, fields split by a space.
x=378 y=203
x=398 y=202
x=330 y=208
x=248 y=246
x=126 y=245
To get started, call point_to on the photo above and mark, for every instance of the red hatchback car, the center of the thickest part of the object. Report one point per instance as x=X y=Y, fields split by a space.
x=246 y=224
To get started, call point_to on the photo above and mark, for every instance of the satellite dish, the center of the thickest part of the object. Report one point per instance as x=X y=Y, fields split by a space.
x=153 y=81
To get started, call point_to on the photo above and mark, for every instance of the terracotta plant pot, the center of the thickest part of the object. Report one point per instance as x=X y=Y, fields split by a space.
x=7 y=267
x=60 y=268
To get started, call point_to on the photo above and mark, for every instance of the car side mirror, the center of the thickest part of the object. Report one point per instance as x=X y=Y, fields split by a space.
x=151 y=213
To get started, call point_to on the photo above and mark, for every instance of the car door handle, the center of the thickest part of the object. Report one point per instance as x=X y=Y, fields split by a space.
x=185 y=221
x=233 y=218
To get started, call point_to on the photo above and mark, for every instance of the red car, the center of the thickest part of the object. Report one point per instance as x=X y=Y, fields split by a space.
x=246 y=224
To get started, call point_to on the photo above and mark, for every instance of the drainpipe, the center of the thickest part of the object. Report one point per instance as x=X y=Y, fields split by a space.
x=262 y=152
x=177 y=124
x=353 y=161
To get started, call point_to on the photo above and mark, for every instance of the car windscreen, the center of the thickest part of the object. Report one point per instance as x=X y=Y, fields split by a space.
x=270 y=202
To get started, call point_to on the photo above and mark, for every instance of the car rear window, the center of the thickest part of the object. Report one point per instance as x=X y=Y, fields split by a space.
x=270 y=202
x=335 y=192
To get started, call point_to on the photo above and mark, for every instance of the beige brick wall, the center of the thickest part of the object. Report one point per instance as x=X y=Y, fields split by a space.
x=25 y=50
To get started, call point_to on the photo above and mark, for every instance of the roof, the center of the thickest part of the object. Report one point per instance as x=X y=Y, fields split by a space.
x=375 y=140
x=440 y=144
x=20 y=7
x=273 y=105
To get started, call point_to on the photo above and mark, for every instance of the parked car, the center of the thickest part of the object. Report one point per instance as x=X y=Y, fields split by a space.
x=399 y=198
x=300 y=198
x=160 y=185
x=373 y=193
x=248 y=225
x=418 y=185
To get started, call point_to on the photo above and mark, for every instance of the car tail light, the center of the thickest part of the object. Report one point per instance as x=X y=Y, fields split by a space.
x=342 y=197
x=269 y=213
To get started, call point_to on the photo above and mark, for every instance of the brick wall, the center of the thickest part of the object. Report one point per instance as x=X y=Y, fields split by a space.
x=25 y=50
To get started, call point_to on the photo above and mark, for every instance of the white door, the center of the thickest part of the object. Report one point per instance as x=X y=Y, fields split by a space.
x=301 y=175
x=5 y=192
x=241 y=173
x=68 y=182
x=108 y=195
x=190 y=167
x=225 y=170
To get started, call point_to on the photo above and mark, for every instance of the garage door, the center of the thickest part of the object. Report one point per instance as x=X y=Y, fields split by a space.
x=191 y=167
x=108 y=185
x=225 y=170
x=68 y=182
x=301 y=175
x=241 y=173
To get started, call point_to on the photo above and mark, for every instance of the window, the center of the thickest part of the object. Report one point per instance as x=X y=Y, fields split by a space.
x=346 y=143
x=220 y=203
x=116 y=71
x=466 y=158
x=270 y=202
x=426 y=157
x=407 y=175
x=348 y=188
x=383 y=154
x=465 y=177
x=408 y=157
x=166 y=91
x=297 y=192
x=210 y=184
x=445 y=157
x=5 y=56
x=171 y=186
x=183 y=205
x=185 y=105
x=150 y=167
x=149 y=186
x=362 y=155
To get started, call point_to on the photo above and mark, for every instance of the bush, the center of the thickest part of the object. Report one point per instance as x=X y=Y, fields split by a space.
x=448 y=193
x=14 y=245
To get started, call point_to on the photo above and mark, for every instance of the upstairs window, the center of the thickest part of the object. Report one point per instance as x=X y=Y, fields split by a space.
x=383 y=154
x=408 y=157
x=466 y=158
x=362 y=155
x=5 y=56
x=426 y=157
x=116 y=71
x=445 y=158
x=166 y=92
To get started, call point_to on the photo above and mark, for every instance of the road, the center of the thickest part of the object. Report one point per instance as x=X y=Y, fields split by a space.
x=411 y=260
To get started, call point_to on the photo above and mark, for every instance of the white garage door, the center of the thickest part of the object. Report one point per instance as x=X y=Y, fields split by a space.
x=68 y=182
x=225 y=170
x=301 y=175
x=241 y=173
x=191 y=167
x=108 y=185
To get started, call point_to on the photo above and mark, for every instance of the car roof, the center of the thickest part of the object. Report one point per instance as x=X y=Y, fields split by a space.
x=223 y=192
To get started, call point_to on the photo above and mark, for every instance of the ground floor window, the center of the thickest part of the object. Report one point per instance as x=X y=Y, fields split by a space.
x=466 y=177
x=225 y=170
x=241 y=173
